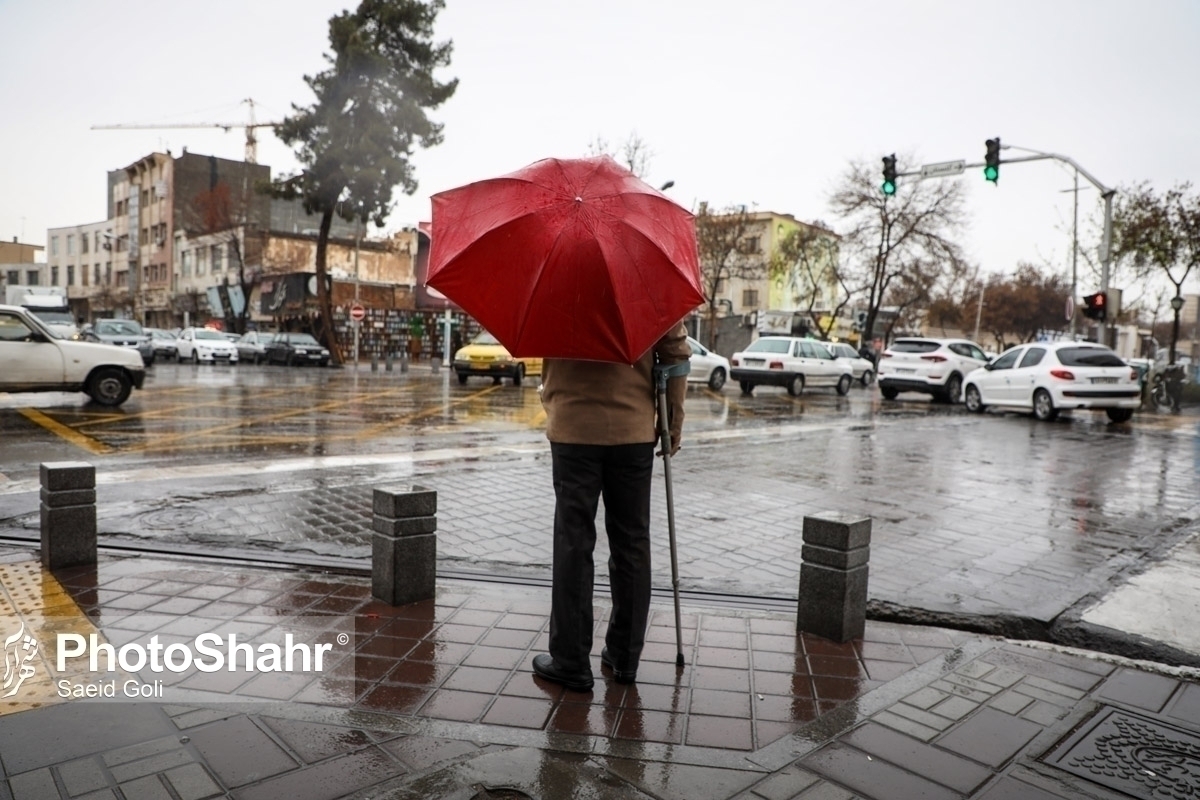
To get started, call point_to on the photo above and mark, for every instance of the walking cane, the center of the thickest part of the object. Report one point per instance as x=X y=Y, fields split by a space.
x=662 y=373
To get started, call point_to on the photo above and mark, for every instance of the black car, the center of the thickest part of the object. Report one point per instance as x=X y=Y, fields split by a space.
x=295 y=349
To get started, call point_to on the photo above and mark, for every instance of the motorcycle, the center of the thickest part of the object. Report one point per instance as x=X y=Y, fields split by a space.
x=1166 y=387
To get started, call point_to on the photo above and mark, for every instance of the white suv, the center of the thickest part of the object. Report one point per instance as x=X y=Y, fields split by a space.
x=932 y=366
x=36 y=359
x=790 y=362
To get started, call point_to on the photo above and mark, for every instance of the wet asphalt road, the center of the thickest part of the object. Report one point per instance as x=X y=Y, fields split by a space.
x=996 y=521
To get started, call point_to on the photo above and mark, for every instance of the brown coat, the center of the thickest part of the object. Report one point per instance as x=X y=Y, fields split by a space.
x=594 y=402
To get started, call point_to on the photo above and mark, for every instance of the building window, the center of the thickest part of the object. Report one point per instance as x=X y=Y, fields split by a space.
x=53 y=245
x=231 y=254
x=32 y=277
x=750 y=298
x=201 y=256
x=750 y=244
x=216 y=253
x=83 y=275
x=70 y=274
x=70 y=244
x=185 y=264
x=96 y=275
x=14 y=277
x=722 y=287
x=83 y=243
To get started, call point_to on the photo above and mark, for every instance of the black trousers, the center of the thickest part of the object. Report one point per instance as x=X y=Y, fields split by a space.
x=621 y=474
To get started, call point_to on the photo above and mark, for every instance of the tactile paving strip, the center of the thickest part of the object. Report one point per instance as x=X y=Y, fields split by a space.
x=34 y=608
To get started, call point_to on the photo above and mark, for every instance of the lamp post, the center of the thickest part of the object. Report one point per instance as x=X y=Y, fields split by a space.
x=1176 y=306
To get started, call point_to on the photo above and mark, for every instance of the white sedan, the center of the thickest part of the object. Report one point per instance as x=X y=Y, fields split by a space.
x=864 y=370
x=707 y=367
x=1048 y=377
x=205 y=344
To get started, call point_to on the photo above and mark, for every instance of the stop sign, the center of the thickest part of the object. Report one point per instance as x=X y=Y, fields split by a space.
x=357 y=312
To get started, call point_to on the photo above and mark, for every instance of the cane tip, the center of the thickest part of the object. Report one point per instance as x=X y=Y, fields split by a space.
x=679 y=661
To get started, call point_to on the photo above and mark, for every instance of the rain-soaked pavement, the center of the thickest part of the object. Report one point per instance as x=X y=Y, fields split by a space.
x=997 y=522
x=254 y=486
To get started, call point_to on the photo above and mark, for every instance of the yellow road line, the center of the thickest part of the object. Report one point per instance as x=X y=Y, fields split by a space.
x=62 y=431
x=374 y=429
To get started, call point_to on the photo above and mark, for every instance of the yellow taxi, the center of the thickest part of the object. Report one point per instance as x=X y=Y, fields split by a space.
x=485 y=356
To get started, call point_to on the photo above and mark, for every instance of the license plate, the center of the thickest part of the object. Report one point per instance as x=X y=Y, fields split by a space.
x=757 y=362
x=1104 y=380
x=906 y=371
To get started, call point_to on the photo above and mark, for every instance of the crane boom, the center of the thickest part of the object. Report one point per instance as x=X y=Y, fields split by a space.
x=251 y=126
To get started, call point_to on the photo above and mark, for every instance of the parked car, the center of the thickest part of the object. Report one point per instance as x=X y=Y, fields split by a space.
x=707 y=367
x=862 y=369
x=295 y=349
x=205 y=344
x=123 y=332
x=252 y=346
x=931 y=366
x=1048 y=377
x=164 y=342
x=37 y=359
x=484 y=356
x=790 y=362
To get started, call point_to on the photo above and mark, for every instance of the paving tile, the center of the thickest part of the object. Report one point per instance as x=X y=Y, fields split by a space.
x=192 y=782
x=328 y=780
x=1043 y=713
x=82 y=776
x=239 y=752
x=584 y=719
x=1186 y=706
x=954 y=708
x=873 y=777
x=1011 y=703
x=650 y=726
x=518 y=712
x=713 y=702
x=422 y=752
x=827 y=791
x=917 y=757
x=990 y=737
x=152 y=765
x=784 y=784
x=146 y=788
x=1079 y=674
x=1012 y=789
x=926 y=698
x=906 y=726
x=34 y=785
x=724 y=732
x=456 y=705
x=1138 y=689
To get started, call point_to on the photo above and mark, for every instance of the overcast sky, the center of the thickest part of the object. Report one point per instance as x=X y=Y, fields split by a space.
x=762 y=102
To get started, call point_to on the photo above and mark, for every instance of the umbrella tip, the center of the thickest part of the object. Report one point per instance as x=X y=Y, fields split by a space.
x=578 y=199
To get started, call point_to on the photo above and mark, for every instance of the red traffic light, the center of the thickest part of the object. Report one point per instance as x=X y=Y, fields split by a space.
x=1095 y=306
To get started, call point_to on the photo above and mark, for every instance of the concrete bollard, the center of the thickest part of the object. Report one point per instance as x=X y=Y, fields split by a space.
x=388 y=364
x=68 y=514
x=833 y=576
x=435 y=364
x=374 y=362
x=404 y=361
x=404 y=545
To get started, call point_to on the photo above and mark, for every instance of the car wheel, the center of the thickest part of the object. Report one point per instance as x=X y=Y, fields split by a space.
x=109 y=386
x=519 y=375
x=747 y=387
x=289 y=361
x=974 y=400
x=1043 y=406
x=462 y=379
x=867 y=377
x=889 y=392
x=953 y=389
x=843 y=385
x=717 y=379
x=195 y=356
x=1119 y=414
x=795 y=386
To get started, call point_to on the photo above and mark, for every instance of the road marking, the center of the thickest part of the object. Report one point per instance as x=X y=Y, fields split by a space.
x=62 y=431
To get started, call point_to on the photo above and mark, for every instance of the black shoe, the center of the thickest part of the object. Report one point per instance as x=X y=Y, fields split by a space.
x=545 y=666
x=619 y=675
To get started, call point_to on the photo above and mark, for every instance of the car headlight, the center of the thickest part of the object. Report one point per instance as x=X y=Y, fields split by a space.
x=324 y=352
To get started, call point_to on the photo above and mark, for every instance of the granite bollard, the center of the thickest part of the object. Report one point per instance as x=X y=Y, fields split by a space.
x=833 y=576
x=404 y=544
x=68 y=514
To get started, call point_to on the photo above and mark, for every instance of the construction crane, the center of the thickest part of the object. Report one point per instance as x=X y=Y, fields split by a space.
x=251 y=127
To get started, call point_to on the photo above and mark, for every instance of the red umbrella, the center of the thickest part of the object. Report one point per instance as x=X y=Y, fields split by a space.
x=567 y=259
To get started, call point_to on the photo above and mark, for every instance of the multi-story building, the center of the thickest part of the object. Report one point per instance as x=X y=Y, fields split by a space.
x=80 y=259
x=15 y=252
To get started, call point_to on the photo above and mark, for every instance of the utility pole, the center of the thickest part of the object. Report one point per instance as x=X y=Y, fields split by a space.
x=978 y=314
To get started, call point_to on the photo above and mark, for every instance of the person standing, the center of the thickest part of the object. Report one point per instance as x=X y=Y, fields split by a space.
x=601 y=420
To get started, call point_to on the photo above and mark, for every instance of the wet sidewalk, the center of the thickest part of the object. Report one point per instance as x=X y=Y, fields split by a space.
x=436 y=700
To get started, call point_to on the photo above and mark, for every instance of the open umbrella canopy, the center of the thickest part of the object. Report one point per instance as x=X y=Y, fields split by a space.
x=573 y=258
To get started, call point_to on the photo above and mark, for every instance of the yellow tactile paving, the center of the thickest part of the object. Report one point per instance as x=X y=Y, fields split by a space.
x=33 y=604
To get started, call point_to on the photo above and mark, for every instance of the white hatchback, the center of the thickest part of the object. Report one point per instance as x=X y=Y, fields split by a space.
x=862 y=369
x=205 y=344
x=1048 y=377
x=707 y=367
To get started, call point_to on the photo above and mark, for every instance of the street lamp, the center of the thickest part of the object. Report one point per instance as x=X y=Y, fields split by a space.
x=1176 y=306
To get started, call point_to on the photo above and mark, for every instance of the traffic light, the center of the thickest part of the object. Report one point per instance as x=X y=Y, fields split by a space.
x=1095 y=306
x=889 y=174
x=991 y=161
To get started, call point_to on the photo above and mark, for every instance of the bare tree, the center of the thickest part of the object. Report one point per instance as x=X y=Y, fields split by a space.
x=227 y=218
x=725 y=255
x=633 y=153
x=899 y=248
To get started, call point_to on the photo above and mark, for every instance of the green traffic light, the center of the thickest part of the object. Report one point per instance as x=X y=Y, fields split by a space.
x=889 y=188
x=991 y=173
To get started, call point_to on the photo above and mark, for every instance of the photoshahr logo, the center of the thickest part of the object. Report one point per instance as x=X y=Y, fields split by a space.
x=19 y=651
